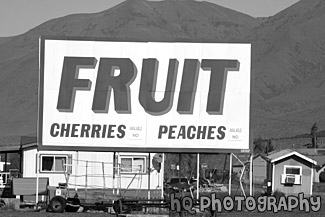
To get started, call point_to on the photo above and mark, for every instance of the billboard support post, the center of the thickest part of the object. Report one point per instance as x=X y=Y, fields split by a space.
x=230 y=172
x=37 y=177
x=118 y=185
x=149 y=171
x=162 y=174
x=198 y=176
x=114 y=171
x=179 y=167
x=251 y=175
x=241 y=174
x=77 y=171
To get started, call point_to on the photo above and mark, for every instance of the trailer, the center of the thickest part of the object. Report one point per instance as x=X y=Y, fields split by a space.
x=69 y=180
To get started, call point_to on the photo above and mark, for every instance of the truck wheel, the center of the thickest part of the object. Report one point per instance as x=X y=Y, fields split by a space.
x=73 y=205
x=57 y=204
x=118 y=206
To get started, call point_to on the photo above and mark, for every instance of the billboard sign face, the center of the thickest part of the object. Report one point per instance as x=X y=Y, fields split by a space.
x=144 y=96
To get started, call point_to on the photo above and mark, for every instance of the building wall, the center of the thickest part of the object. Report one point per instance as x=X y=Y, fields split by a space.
x=317 y=174
x=306 y=179
x=259 y=170
x=97 y=162
x=2 y=165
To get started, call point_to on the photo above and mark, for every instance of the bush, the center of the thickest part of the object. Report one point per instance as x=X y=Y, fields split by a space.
x=277 y=194
x=2 y=203
x=322 y=177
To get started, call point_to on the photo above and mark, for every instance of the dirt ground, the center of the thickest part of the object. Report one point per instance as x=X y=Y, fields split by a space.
x=230 y=214
x=294 y=213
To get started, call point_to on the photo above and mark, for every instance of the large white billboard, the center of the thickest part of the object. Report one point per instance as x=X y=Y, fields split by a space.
x=144 y=96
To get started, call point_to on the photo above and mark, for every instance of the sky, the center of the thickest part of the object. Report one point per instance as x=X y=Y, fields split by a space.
x=17 y=18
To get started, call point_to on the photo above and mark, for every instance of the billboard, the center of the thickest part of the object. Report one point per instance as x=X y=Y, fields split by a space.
x=99 y=95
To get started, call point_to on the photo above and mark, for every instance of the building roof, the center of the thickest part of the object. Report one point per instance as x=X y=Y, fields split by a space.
x=15 y=148
x=245 y=159
x=279 y=155
x=262 y=156
x=320 y=159
x=307 y=151
x=311 y=151
x=317 y=154
x=25 y=142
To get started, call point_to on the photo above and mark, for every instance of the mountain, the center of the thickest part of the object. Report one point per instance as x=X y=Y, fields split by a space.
x=288 y=61
x=289 y=47
x=288 y=57
x=133 y=19
x=4 y=39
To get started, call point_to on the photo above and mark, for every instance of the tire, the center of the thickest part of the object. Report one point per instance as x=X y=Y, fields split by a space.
x=118 y=206
x=57 y=204
x=73 y=205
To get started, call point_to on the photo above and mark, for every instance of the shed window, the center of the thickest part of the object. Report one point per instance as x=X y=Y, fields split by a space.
x=133 y=164
x=54 y=163
x=292 y=170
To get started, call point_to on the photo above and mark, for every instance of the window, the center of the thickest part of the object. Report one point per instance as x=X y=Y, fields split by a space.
x=133 y=164
x=126 y=165
x=54 y=163
x=291 y=175
x=292 y=170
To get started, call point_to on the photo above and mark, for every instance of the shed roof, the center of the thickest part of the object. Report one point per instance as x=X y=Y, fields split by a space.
x=276 y=156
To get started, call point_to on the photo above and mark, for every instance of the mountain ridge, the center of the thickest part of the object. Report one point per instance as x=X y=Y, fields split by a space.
x=287 y=58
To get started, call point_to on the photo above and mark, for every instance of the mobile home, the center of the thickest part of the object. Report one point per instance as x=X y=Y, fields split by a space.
x=80 y=170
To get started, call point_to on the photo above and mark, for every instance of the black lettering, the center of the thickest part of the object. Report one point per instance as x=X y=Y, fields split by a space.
x=65 y=130
x=171 y=132
x=106 y=81
x=218 y=81
x=148 y=87
x=211 y=132
x=104 y=130
x=191 y=135
x=85 y=130
x=74 y=130
x=121 y=130
x=110 y=131
x=162 y=130
x=181 y=133
x=54 y=132
x=95 y=131
x=70 y=82
x=221 y=131
x=188 y=86
x=201 y=131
